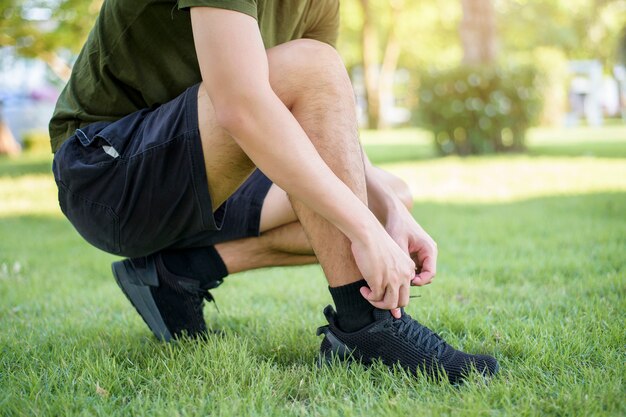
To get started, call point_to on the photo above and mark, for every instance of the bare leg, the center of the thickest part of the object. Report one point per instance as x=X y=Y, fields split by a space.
x=325 y=108
x=283 y=241
x=311 y=80
x=227 y=166
x=283 y=246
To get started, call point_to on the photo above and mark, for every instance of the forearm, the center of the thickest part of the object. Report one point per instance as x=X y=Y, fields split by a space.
x=236 y=79
x=382 y=199
x=273 y=139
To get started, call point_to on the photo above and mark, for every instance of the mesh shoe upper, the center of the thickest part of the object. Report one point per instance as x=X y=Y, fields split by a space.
x=405 y=342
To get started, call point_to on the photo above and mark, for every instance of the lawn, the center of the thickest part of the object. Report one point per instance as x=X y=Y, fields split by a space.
x=532 y=269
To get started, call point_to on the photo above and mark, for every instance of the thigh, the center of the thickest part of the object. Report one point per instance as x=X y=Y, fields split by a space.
x=257 y=206
x=226 y=165
x=137 y=185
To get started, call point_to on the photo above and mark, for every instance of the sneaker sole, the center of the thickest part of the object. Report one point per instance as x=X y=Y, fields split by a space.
x=131 y=280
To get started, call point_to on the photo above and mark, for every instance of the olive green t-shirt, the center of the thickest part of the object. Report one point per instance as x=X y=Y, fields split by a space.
x=141 y=53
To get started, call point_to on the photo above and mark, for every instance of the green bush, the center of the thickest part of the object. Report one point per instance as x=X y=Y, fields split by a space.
x=36 y=141
x=479 y=109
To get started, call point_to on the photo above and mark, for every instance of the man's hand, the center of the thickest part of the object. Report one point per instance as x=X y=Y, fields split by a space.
x=400 y=224
x=387 y=269
x=411 y=237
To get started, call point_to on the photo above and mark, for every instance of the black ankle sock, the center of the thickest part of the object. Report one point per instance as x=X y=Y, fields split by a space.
x=204 y=264
x=353 y=311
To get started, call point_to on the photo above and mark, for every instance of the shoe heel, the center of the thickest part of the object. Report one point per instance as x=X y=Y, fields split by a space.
x=134 y=286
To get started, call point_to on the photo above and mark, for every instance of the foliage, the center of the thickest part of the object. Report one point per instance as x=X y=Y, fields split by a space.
x=553 y=66
x=36 y=27
x=51 y=30
x=427 y=31
x=473 y=110
x=581 y=29
x=36 y=141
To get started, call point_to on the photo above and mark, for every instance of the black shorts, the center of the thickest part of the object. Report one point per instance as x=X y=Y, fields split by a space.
x=138 y=185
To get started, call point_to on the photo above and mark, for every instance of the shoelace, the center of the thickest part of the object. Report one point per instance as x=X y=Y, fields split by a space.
x=419 y=334
x=199 y=301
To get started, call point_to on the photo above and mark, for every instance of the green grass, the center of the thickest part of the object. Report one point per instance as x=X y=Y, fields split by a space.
x=413 y=144
x=532 y=269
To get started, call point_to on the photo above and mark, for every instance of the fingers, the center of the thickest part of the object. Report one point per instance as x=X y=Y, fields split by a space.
x=392 y=300
x=366 y=293
x=403 y=301
x=376 y=293
x=403 y=297
x=426 y=275
x=427 y=261
x=389 y=301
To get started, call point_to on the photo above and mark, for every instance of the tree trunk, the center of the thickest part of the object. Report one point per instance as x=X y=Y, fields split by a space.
x=478 y=32
x=369 y=42
x=8 y=144
x=58 y=65
x=390 y=61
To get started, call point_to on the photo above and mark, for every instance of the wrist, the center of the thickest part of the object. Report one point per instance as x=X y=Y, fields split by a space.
x=365 y=227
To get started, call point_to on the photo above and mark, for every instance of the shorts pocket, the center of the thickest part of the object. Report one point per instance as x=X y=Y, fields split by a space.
x=95 y=222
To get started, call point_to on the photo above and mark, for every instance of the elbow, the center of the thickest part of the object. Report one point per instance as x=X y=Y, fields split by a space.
x=235 y=110
x=232 y=112
x=231 y=118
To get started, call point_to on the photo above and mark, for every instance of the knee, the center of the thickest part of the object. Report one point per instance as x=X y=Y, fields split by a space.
x=400 y=189
x=313 y=63
x=313 y=51
x=404 y=193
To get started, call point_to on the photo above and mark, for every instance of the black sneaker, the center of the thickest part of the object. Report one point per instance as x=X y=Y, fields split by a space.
x=402 y=341
x=171 y=305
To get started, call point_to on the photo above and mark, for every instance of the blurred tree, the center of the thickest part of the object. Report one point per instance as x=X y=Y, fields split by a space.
x=481 y=106
x=582 y=29
x=478 y=32
x=562 y=30
x=621 y=49
x=379 y=75
x=8 y=144
x=544 y=33
x=379 y=35
x=51 y=30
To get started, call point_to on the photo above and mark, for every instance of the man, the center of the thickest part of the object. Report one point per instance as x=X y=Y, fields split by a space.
x=170 y=108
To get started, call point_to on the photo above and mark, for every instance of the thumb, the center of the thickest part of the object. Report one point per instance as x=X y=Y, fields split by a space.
x=366 y=292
